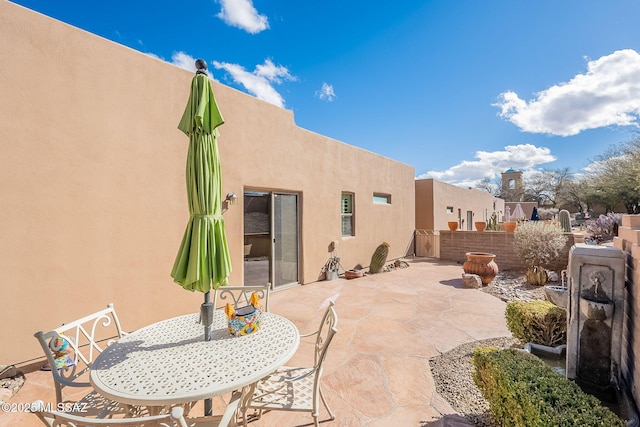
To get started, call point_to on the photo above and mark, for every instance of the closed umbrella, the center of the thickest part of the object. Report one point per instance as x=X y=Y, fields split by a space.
x=203 y=259
x=507 y=214
x=518 y=213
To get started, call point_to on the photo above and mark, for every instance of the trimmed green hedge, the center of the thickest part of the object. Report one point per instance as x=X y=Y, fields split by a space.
x=522 y=391
x=540 y=322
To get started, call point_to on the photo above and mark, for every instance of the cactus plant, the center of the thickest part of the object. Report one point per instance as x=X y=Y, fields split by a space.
x=379 y=258
x=492 y=223
x=537 y=276
x=565 y=220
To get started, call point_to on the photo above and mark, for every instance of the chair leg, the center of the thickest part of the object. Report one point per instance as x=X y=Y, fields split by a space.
x=326 y=405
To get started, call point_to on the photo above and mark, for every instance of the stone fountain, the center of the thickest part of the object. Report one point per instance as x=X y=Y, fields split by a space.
x=595 y=318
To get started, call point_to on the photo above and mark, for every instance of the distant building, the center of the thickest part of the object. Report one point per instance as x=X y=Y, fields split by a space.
x=512 y=186
x=438 y=203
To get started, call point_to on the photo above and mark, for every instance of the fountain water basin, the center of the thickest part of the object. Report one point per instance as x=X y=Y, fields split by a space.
x=559 y=295
x=596 y=310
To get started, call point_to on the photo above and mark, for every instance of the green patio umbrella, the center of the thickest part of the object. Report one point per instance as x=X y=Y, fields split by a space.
x=203 y=259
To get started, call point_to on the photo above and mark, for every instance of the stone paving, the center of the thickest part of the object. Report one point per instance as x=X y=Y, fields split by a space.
x=377 y=371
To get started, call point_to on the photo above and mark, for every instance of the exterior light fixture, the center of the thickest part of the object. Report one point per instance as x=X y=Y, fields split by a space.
x=232 y=198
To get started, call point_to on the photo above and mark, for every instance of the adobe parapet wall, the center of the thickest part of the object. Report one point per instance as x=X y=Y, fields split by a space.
x=628 y=241
x=454 y=245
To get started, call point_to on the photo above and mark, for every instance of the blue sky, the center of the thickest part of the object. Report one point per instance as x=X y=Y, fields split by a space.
x=460 y=89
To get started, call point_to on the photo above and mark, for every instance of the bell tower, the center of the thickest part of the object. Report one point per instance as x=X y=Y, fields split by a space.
x=512 y=188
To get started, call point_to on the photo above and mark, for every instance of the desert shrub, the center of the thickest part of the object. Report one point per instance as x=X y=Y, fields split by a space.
x=539 y=322
x=522 y=391
x=538 y=244
x=603 y=227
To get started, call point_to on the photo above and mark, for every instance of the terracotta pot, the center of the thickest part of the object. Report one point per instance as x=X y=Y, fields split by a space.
x=482 y=264
x=509 y=226
x=353 y=274
x=480 y=225
x=453 y=225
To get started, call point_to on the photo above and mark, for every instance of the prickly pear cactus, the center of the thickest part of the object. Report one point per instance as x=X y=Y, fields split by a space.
x=379 y=258
x=565 y=220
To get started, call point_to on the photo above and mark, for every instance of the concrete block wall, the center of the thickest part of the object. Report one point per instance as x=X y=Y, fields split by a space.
x=454 y=245
x=628 y=241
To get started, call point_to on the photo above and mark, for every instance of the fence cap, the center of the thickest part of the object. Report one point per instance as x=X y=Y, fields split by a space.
x=596 y=250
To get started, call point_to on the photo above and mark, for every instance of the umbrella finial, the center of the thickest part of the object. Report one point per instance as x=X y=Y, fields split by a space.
x=201 y=66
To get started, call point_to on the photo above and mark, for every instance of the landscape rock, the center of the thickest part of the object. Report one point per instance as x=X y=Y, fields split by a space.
x=471 y=281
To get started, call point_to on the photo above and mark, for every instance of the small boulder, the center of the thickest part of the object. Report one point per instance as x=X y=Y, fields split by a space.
x=472 y=281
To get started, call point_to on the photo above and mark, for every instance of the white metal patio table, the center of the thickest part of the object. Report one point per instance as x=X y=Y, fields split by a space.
x=169 y=362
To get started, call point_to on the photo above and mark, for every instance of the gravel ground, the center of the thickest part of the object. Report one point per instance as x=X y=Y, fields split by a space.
x=452 y=370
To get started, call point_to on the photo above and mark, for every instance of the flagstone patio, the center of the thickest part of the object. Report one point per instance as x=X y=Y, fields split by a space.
x=377 y=370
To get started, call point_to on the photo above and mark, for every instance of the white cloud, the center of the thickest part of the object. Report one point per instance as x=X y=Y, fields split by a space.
x=259 y=82
x=184 y=61
x=242 y=14
x=607 y=94
x=326 y=92
x=491 y=164
x=273 y=73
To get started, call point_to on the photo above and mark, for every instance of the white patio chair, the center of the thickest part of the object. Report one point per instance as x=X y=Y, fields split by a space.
x=87 y=337
x=296 y=388
x=175 y=417
x=240 y=296
x=66 y=419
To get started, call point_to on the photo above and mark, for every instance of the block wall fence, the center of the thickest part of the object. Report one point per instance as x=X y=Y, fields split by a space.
x=628 y=241
x=454 y=245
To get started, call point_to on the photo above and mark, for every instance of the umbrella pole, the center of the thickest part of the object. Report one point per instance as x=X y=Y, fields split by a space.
x=206 y=314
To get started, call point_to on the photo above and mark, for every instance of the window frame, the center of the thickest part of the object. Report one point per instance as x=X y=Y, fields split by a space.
x=344 y=214
x=381 y=199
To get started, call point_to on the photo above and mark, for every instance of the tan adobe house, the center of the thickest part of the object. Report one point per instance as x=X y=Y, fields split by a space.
x=93 y=193
x=438 y=203
x=93 y=185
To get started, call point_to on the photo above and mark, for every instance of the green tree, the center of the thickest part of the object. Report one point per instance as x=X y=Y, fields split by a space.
x=614 y=177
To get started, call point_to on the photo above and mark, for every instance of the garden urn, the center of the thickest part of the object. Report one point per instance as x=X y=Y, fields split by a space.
x=482 y=264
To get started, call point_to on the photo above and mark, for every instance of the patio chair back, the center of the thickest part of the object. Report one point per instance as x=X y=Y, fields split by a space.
x=296 y=388
x=240 y=296
x=324 y=335
x=65 y=419
x=87 y=337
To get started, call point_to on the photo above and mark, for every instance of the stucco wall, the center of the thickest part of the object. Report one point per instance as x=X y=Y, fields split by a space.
x=433 y=197
x=424 y=204
x=92 y=183
x=628 y=241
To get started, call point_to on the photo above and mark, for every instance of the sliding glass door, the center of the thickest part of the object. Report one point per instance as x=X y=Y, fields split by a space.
x=271 y=237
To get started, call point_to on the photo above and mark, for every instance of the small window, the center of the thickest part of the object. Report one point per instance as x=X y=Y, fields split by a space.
x=512 y=184
x=383 y=199
x=449 y=209
x=347 y=214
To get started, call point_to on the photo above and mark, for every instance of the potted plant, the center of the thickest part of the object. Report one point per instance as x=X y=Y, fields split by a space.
x=453 y=225
x=480 y=225
x=331 y=268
